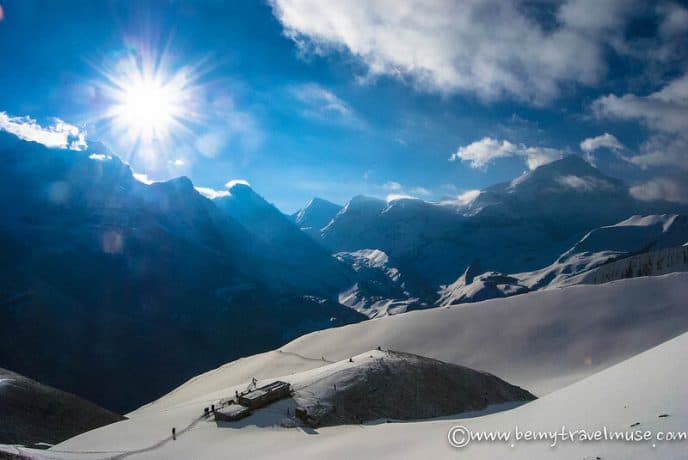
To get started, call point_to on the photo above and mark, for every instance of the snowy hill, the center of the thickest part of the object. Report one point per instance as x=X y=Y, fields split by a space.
x=379 y=385
x=543 y=340
x=32 y=413
x=315 y=216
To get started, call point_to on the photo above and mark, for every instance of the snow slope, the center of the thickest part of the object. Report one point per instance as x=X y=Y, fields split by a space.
x=539 y=341
x=637 y=246
x=603 y=245
x=651 y=263
x=638 y=390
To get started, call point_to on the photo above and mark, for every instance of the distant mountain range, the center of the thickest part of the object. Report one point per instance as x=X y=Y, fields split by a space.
x=106 y=279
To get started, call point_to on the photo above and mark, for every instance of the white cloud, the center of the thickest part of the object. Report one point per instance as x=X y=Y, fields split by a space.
x=662 y=188
x=480 y=154
x=420 y=191
x=234 y=182
x=467 y=197
x=399 y=196
x=143 y=178
x=99 y=157
x=211 y=193
x=321 y=104
x=58 y=135
x=392 y=186
x=321 y=101
x=490 y=48
x=664 y=112
x=584 y=183
x=178 y=162
x=606 y=140
x=675 y=21
x=397 y=191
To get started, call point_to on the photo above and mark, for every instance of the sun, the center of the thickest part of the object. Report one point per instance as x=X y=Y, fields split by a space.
x=150 y=103
x=149 y=108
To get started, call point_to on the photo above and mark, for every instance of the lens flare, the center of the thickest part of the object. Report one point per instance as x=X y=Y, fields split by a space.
x=149 y=102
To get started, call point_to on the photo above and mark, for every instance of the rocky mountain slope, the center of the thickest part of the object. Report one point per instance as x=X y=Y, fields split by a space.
x=315 y=216
x=36 y=414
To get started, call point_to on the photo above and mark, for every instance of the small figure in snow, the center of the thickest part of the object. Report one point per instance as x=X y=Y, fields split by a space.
x=351 y=360
x=174 y=434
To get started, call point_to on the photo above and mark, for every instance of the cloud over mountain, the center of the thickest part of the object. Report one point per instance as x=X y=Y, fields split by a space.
x=493 y=49
x=665 y=114
x=480 y=154
x=59 y=134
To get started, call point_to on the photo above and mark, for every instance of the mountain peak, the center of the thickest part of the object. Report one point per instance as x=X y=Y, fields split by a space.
x=317 y=202
x=570 y=174
x=181 y=183
x=569 y=164
x=316 y=215
x=238 y=184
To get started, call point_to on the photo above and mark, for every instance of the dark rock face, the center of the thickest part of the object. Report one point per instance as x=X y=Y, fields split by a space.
x=404 y=386
x=32 y=413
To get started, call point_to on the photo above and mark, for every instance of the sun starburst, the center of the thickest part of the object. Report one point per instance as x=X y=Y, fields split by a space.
x=150 y=103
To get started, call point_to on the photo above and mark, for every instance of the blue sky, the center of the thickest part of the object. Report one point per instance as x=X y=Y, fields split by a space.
x=310 y=98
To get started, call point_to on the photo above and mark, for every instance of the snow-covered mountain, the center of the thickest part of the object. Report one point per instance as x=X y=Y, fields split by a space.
x=635 y=235
x=380 y=288
x=104 y=275
x=513 y=227
x=638 y=246
x=315 y=216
